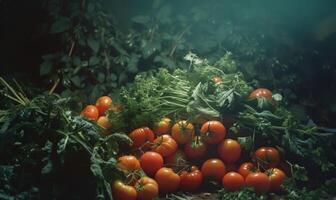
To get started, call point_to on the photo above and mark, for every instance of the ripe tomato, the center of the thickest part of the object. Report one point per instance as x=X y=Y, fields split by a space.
x=217 y=80
x=178 y=158
x=261 y=92
x=190 y=181
x=183 y=131
x=104 y=123
x=141 y=136
x=162 y=127
x=147 y=188
x=91 y=112
x=229 y=150
x=267 y=157
x=276 y=177
x=258 y=181
x=121 y=191
x=164 y=145
x=213 y=168
x=103 y=103
x=167 y=180
x=246 y=169
x=233 y=181
x=151 y=162
x=128 y=163
x=195 y=149
x=213 y=132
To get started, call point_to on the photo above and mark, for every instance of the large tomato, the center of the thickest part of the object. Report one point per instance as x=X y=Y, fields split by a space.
x=267 y=157
x=246 y=169
x=233 y=181
x=191 y=181
x=229 y=150
x=213 y=132
x=213 y=168
x=128 y=163
x=182 y=132
x=121 y=191
x=162 y=127
x=261 y=92
x=151 y=162
x=167 y=180
x=103 y=104
x=147 y=188
x=141 y=136
x=258 y=181
x=276 y=177
x=196 y=148
x=164 y=145
x=91 y=112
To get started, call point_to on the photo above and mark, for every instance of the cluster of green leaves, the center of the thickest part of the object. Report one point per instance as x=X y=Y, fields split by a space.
x=45 y=148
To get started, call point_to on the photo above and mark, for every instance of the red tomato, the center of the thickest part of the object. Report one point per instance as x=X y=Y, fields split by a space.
x=121 y=191
x=141 y=136
x=213 y=168
x=151 y=162
x=267 y=157
x=191 y=181
x=261 y=92
x=164 y=145
x=128 y=163
x=167 y=180
x=178 y=158
x=147 y=188
x=103 y=104
x=217 y=80
x=229 y=150
x=246 y=169
x=276 y=177
x=233 y=181
x=105 y=124
x=91 y=112
x=162 y=127
x=213 y=132
x=195 y=149
x=258 y=181
x=182 y=132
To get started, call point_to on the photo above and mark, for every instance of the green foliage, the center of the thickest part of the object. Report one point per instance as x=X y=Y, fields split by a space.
x=246 y=193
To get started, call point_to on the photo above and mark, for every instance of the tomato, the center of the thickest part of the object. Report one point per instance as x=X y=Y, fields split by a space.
x=141 y=136
x=213 y=132
x=195 y=149
x=164 y=145
x=128 y=163
x=276 y=177
x=178 y=158
x=229 y=150
x=267 y=157
x=162 y=127
x=91 y=112
x=261 y=92
x=151 y=162
x=147 y=188
x=103 y=104
x=121 y=191
x=191 y=181
x=182 y=132
x=104 y=123
x=258 y=181
x=167 y=180
x=233 y=181
x=213 y=168
x=217 y=80
x=246 y=169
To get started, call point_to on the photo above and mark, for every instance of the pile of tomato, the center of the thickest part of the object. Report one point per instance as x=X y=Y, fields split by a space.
x=174 y=156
